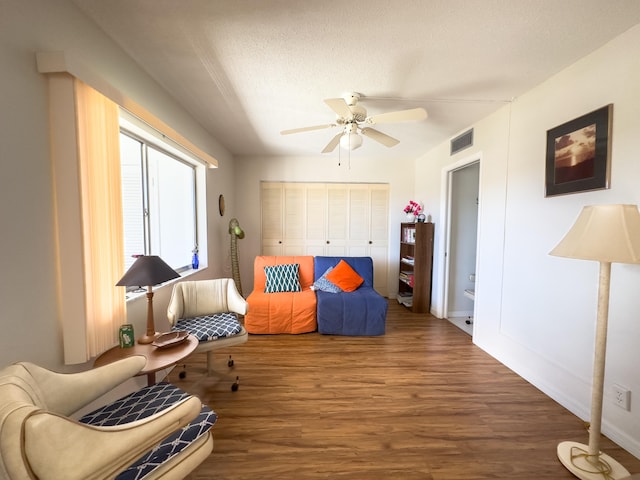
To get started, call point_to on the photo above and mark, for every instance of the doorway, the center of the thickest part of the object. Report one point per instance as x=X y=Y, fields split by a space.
x=462 y=204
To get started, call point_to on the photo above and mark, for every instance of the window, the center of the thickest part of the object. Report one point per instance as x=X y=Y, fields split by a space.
x=159 y=201
x=85 y=126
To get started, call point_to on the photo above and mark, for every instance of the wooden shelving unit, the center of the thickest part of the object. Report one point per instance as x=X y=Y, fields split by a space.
x=416 y=266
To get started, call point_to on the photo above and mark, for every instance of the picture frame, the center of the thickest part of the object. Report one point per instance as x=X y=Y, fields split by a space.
x=578 y=155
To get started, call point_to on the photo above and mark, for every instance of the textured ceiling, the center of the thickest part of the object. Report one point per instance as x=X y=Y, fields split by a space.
x=248 y=69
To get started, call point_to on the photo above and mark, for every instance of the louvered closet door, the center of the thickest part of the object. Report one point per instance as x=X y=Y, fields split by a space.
x=336 y=228
x=379 y=236
x=359 y=219
x=368 y=228
x=335 y=219
x=316 y=219
x=295 y=205
x=272 y=207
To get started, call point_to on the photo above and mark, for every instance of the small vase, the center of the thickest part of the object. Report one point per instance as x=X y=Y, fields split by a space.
x=195 y=261
x=411 y=217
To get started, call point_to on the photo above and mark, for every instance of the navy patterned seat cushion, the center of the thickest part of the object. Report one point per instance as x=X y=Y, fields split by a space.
x=142 y=404
x=210 y=327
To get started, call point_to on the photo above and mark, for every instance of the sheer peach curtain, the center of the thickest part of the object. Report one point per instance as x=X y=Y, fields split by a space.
x=88 y=206
x=99 y=159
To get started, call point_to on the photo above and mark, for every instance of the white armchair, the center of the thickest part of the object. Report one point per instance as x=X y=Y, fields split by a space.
x=39 y=439
x=209 y=310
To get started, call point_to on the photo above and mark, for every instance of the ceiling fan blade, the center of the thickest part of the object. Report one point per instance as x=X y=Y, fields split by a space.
x=399 y=116
x=380 y=137
x=332 y=144
x=339 y=106
x=307 y=129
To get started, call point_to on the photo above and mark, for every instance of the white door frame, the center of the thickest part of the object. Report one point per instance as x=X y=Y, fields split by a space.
x=444 y=243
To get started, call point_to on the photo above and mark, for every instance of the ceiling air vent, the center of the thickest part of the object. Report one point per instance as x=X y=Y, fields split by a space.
x=462 y=141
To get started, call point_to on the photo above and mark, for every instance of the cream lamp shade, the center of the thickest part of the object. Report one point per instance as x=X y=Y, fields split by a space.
x=604 y=233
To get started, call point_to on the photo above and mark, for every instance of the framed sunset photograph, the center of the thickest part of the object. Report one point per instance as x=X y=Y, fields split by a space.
x=579 y=154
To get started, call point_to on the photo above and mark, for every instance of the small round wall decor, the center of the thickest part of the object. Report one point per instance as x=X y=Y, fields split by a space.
x=221 y=205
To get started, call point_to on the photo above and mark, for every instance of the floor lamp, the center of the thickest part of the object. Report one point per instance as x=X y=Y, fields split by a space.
x=147 y=271
x=606 y=234
x=236 y=233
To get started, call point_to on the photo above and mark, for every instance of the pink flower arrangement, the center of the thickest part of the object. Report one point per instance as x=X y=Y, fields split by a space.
x=413 y=208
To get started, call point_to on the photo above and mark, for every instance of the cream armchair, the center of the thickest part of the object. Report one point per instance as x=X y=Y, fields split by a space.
x=208 y=309
x=39 y=439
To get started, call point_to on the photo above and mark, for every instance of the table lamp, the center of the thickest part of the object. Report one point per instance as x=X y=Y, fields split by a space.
x=148 y=270
x=606 y=234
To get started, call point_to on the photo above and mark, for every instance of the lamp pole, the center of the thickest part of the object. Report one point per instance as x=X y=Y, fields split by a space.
x=599 y=359
x=150 y=335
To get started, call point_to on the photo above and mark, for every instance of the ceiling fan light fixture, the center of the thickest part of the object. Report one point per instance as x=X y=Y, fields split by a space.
x=349 y=117
x=351 y=141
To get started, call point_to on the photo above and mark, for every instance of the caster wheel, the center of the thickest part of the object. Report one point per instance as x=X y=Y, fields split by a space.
x=230 y=362
x=236 y=385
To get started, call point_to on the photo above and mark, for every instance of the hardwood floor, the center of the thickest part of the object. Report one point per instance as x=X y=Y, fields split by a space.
x=421 y=402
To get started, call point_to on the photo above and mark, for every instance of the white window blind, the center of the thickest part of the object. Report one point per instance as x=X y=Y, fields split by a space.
x=159 y=203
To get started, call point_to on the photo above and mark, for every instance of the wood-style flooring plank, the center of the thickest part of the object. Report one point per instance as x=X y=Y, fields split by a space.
x=419 y=403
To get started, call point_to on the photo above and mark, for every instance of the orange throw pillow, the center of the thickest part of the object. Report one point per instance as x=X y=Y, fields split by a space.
x=345 y=277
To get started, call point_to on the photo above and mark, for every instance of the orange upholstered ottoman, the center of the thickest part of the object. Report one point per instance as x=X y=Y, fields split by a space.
x=282 y=300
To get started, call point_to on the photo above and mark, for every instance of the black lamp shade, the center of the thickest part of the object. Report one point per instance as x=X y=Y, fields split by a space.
x=147 y=270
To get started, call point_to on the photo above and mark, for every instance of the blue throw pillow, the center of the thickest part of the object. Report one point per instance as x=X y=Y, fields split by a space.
x=282 y=278
x=325 y=284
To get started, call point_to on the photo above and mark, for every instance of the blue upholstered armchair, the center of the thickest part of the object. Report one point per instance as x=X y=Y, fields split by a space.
x=360 y=312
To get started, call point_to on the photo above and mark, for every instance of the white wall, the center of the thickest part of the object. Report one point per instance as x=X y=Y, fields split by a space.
x=250 y=171
x=29 y=319
x=534 y=312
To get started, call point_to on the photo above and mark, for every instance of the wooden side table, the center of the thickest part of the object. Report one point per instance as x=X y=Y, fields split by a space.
x=157 y=358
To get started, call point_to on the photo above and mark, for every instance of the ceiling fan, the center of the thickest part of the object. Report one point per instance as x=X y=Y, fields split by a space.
x=351 y=117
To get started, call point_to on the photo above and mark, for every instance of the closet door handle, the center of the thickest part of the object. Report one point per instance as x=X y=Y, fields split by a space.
x=328 y=242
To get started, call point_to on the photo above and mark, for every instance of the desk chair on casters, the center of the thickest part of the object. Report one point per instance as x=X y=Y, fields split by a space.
x=209 y=309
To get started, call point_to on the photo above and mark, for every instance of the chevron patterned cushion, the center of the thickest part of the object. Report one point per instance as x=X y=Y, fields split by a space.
x=282 y=278
x=210 y=327
x=142 y=404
